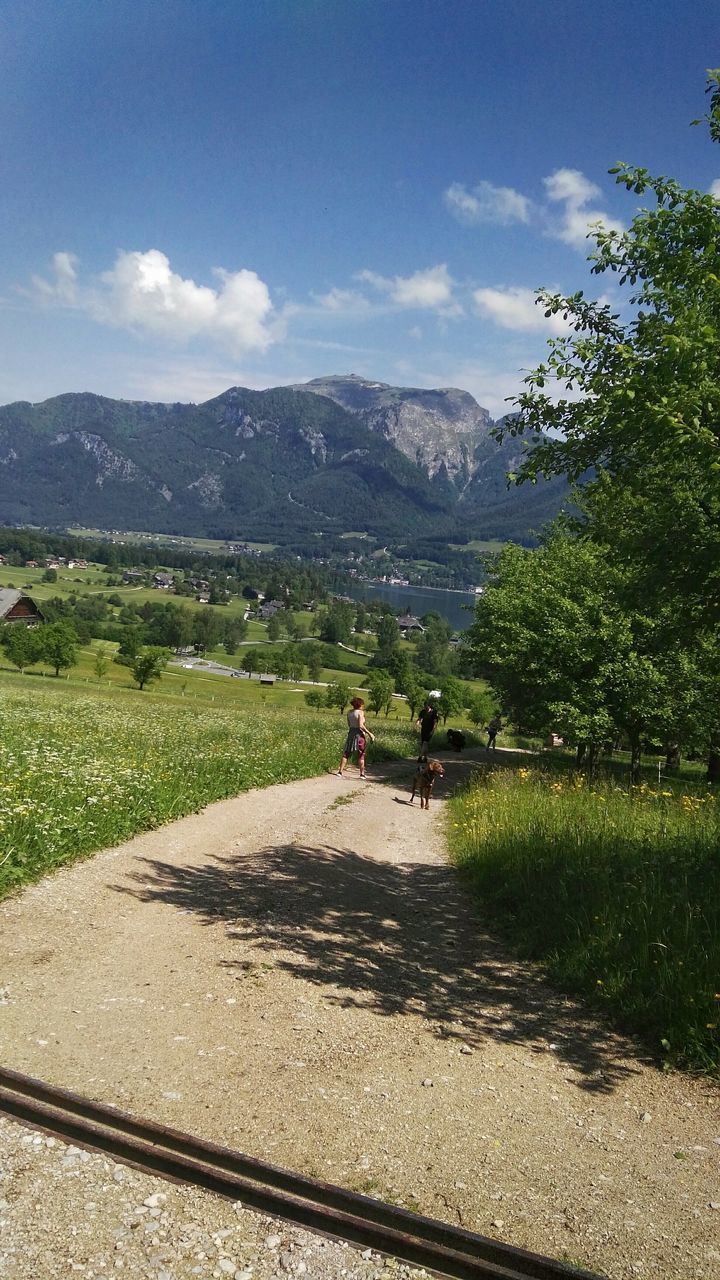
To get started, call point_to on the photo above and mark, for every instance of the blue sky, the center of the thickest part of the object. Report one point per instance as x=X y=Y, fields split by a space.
x=206 y=193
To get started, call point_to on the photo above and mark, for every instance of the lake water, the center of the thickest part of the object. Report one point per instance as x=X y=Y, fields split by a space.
x=453 y=605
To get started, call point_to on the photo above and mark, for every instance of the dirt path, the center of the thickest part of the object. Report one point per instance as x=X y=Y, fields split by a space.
x=298 y=973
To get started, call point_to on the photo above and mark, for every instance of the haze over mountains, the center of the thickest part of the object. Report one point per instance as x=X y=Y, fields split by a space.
x=333 y=455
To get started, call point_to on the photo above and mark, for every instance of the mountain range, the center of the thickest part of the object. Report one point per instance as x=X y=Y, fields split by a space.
x=337 y=454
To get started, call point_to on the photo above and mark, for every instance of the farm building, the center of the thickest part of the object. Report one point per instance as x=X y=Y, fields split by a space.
x=407 y=622
x=270 y=608
x=15 y=606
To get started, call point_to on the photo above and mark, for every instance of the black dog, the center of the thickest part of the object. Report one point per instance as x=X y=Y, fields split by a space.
x=456 y=739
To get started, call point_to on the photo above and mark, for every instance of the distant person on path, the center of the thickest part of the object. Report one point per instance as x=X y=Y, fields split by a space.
x=426 y=722
x=358 y=733
x=493 y=730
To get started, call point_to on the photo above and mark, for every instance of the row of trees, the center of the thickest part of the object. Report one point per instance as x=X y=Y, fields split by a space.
x=609 y=631
x=276 y=576
x=454 y=698
x=57 y=645
x=164 y=623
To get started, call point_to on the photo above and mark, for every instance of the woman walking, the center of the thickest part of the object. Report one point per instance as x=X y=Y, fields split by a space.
x=358 y=733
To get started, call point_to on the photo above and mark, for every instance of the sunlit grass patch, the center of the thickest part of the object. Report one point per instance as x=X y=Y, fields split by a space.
x=616 y=892
x=79 y=771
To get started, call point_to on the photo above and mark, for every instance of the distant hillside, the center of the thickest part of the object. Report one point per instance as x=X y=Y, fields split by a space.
x=267 y=465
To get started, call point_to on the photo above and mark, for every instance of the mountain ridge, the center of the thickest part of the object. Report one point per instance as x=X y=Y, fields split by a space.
x=265 y=465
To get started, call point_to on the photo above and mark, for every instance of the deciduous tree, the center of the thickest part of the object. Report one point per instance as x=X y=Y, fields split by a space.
x=149 y=665
x=380 y=690
x=58 y=645
x=21 y=645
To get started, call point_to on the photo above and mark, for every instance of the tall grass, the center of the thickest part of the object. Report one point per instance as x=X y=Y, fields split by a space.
x=79 y=771
x=617 y=893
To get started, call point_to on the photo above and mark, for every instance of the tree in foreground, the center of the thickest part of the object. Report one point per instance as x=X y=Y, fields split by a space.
x=639 y=398
x=635 y=404
x=569 y=648
x=148 y=665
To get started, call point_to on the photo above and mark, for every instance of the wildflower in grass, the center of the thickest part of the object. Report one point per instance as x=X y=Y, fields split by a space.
x=628 y=883
x=79 y=772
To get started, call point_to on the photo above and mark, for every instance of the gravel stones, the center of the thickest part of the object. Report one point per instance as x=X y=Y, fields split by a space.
x=66 y=1212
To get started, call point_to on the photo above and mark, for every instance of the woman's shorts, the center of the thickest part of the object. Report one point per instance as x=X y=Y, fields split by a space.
x=355 y=742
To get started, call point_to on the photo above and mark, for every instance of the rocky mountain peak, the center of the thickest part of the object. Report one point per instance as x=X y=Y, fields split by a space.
x=439 y=429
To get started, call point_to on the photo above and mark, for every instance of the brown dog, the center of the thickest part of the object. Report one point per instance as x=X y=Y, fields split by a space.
x=424 y=780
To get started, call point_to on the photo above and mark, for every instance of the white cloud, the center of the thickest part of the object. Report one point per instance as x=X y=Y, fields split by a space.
x=63 y=286
x=142 y=293
x=571 y=188
x=487 y=203
x=715 y=189
x=516 y=308
x=342 y=300
x=431 y=289
x=570 y=185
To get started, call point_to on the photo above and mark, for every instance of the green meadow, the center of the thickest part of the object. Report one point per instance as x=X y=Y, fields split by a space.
x=85 y=766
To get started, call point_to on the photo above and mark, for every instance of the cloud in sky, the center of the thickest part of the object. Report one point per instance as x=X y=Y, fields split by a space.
x=342 y=300
x=487 y=203
x=516 y=308
x=63 y=287
x=142 y=293
x=715 y=189
x=431 y=289
x=571 y=188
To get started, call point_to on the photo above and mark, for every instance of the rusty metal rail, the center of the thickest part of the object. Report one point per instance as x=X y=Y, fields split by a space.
x=319 y=1206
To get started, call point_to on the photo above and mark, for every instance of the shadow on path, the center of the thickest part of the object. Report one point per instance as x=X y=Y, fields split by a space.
x=394 y=939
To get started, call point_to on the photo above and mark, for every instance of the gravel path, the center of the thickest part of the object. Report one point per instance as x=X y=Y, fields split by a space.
x=297 y=973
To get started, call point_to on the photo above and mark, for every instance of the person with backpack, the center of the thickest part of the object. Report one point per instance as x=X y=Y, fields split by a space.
x=493 y=730
x=426 y=723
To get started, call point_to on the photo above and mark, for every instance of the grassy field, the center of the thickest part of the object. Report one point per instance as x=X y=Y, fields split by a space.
x=491 y=546
x=94 y=579
x=615 y=891
x=81 y=768
x=193 y=684
x=212 y=545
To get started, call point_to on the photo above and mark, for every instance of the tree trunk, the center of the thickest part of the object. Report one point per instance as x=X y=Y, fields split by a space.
x=635 y=758
x=672 y=757
x=580 y=754
x=713 y=770
x=592 y=757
